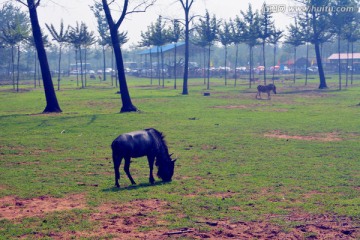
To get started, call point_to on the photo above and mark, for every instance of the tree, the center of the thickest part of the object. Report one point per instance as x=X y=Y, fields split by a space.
x=76 y=38
x=80 y=36
x=251 y=34
x=265 y=27
x=226 y=38
x=89 y=39
x=197 y=40
x=31 y=43
x=186 y=4
x=14 y=33
x=159 y=37
x=9 y=13
x=274 y=39
x=104 y=36
x=114 y=27
x=320 y=25
x=337 y=21
x=305 y=28
x=237 y=29
x=294 y=38
x=208 y=32
x=122 y=40
x=146 y=41
x=174 y=35
x=103 y=30
x=61 y=37
x=352 y=35
x=52 y=104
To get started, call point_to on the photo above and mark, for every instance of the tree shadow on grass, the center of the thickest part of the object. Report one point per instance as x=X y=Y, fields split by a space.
x=310 y=91
x=134 y=187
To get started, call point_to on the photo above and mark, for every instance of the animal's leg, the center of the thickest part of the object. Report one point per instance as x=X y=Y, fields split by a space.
x=117 y=161
x=151 y=160
x=269 y=96
x=127 y=170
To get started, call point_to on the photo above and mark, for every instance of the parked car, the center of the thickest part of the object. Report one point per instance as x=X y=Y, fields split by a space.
x=312 y=69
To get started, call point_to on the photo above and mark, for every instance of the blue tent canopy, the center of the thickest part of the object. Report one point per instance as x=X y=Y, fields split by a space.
x=165 y=48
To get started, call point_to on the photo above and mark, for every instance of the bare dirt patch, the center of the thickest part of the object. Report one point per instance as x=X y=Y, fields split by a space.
x=306 y=227
x=23 y=151
x=324 y=137
x=143 y=219
x=233 y=107
x=251 y=107
x=13 y=207
x=124 y=220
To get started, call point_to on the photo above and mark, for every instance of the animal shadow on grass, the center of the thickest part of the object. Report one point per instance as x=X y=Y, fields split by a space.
x=134 y=187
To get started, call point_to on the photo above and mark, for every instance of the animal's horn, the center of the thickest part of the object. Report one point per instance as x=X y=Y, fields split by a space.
x=171 y=154
x=174 y=160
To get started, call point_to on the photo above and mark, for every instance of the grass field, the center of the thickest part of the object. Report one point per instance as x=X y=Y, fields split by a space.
x=285 y=168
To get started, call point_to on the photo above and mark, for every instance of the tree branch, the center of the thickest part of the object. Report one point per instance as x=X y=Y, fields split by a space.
x=183 y=5
x=22 y=2
x=123 y=14
x=191 y=3
x=145 y=4
x=192 y=18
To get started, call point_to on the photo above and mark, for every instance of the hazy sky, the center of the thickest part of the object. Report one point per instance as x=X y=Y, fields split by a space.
x=51 y=11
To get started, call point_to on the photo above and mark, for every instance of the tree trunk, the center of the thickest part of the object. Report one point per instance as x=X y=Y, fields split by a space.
x=162 y=67
x=208 y=70
x=18 y=69
x=13 y=66
x=236 y=62
x=347 y=63
x=320 y=67
x=225 y=64
x=124 y=91
x=151 y=68
x=250 y=66
x=85 y=70
x=51 y=100
x=294 y=64
x=76 y=64
x=273 y=71
x=187 y=42
x=81 y=69
x=175 y=67
x=339 y=61
x=35 y=67
x=104 y=63
x=112 y=67
x=59 y=67
x=116 y=76
x=264 y=61
x=204 y=64
x=307 y=64
x=318 y=55
x=352 y=62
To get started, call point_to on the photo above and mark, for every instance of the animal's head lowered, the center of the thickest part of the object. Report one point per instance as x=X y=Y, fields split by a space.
x=166 y=169
x=274 y=89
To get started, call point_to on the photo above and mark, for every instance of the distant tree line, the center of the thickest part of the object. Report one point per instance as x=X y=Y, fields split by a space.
x=20 y=32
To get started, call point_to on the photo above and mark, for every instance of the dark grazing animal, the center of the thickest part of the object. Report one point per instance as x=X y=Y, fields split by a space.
x=149 y=142
x=266 y=89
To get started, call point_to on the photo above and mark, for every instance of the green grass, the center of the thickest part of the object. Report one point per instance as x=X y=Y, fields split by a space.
x=225 y=161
